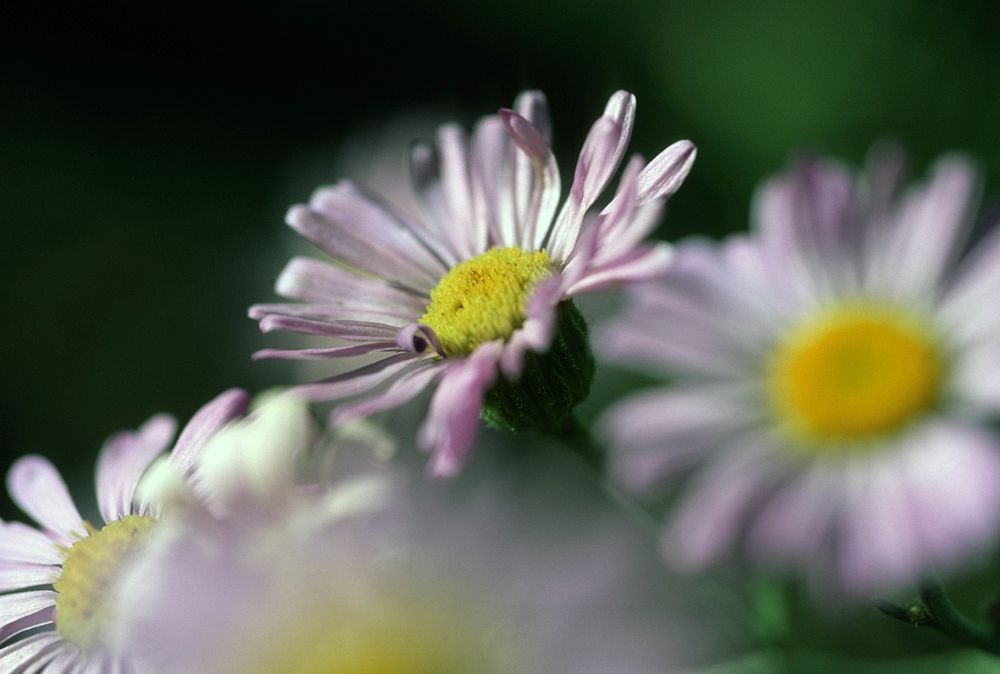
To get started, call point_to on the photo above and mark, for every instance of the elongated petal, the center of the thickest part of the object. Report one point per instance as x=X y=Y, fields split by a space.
x=535 y=334
x=18 y=576
x=930 y=228
x=40 y=617
x=20 y=604
x=453 y=419
x=28 y=651
x=21 y=543
x=317 y=282
x=360 y=380
x=324 y=354
x=641 y=264
x=404 y=389
x=600 y=156
x=537 y=187
x=123 y=459
x=206 y=422
x=37 y=488
x=353 y=229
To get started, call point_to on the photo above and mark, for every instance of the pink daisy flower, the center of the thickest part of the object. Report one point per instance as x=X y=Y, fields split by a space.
x=476 y=293
x=379 y=574
x=833 y=374
x=77 y=563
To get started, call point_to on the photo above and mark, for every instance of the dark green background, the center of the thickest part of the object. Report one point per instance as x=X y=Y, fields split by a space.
x=150 y=150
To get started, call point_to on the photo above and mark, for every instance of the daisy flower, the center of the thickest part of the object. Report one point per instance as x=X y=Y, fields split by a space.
x=77 y=563
x=494 y=581
x=832 y=377
x=476 y=293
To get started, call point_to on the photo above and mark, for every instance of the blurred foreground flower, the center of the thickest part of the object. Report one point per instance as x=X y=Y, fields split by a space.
x=834 y=371
x=80 y=561
x=381 y=573
x=476 y=292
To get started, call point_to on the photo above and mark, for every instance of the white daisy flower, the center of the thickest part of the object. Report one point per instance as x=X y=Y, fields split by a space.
x=832 y=376
x=59 y=579
x=476 y=293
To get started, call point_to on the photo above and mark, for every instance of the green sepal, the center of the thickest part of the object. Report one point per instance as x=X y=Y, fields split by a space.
x=551 y=383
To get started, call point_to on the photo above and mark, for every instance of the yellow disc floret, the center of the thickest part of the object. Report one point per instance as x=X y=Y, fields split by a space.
x=854 y=373
x=484 y=298
x=90 y=566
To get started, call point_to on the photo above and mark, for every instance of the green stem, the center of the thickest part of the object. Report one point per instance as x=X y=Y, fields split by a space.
x=934 y=609
x=946 y=618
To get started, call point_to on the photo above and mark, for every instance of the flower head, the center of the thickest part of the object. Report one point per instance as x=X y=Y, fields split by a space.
x=415 y=580
x=833 y=371
x=82 y=561
x=477 y=289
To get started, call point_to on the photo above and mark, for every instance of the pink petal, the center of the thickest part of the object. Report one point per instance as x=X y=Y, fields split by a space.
x=123 y=460
x=19 y=576
x=526 y=136
x=612 y=234
x=22 y=543
x=352 y=331
x=402 y=390
x=641 y=264
x=975 y=286
x=453 y=419
x=796 y=524
x=323 y=354
x=805 y=218
x=535 y=334
x=536 y=186
x=710 y=517
x=666 y=173
x=357 y=309
x=533 y=106
x=358 y=381
x=490 y=145
x=29 y=651
x=43 y=616
x=354 y=228
x=653 y=434
x=313 y=281
x=600 y=156
x=20 y=604
x=435 y=226
x=37 y=488
x=929 y=229
x=205 y=423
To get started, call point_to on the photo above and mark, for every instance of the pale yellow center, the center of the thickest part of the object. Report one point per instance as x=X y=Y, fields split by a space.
x=484 y=298
x=82 y=606
x=374 y=639
x=854 y=373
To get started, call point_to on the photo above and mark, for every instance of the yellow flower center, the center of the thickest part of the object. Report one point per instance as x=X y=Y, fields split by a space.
x=373 y=639
x=87 y=573
x=854 y=373
x=484 y=298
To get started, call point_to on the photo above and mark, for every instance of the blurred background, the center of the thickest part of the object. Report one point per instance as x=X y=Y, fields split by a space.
x=150 y=151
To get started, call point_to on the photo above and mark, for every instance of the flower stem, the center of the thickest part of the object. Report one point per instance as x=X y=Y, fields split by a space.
x=934 y=609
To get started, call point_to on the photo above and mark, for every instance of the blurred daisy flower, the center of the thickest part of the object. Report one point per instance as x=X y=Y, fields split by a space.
x=81 y=562
x=379 y=573
x=475 y=292
x=832 y=374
